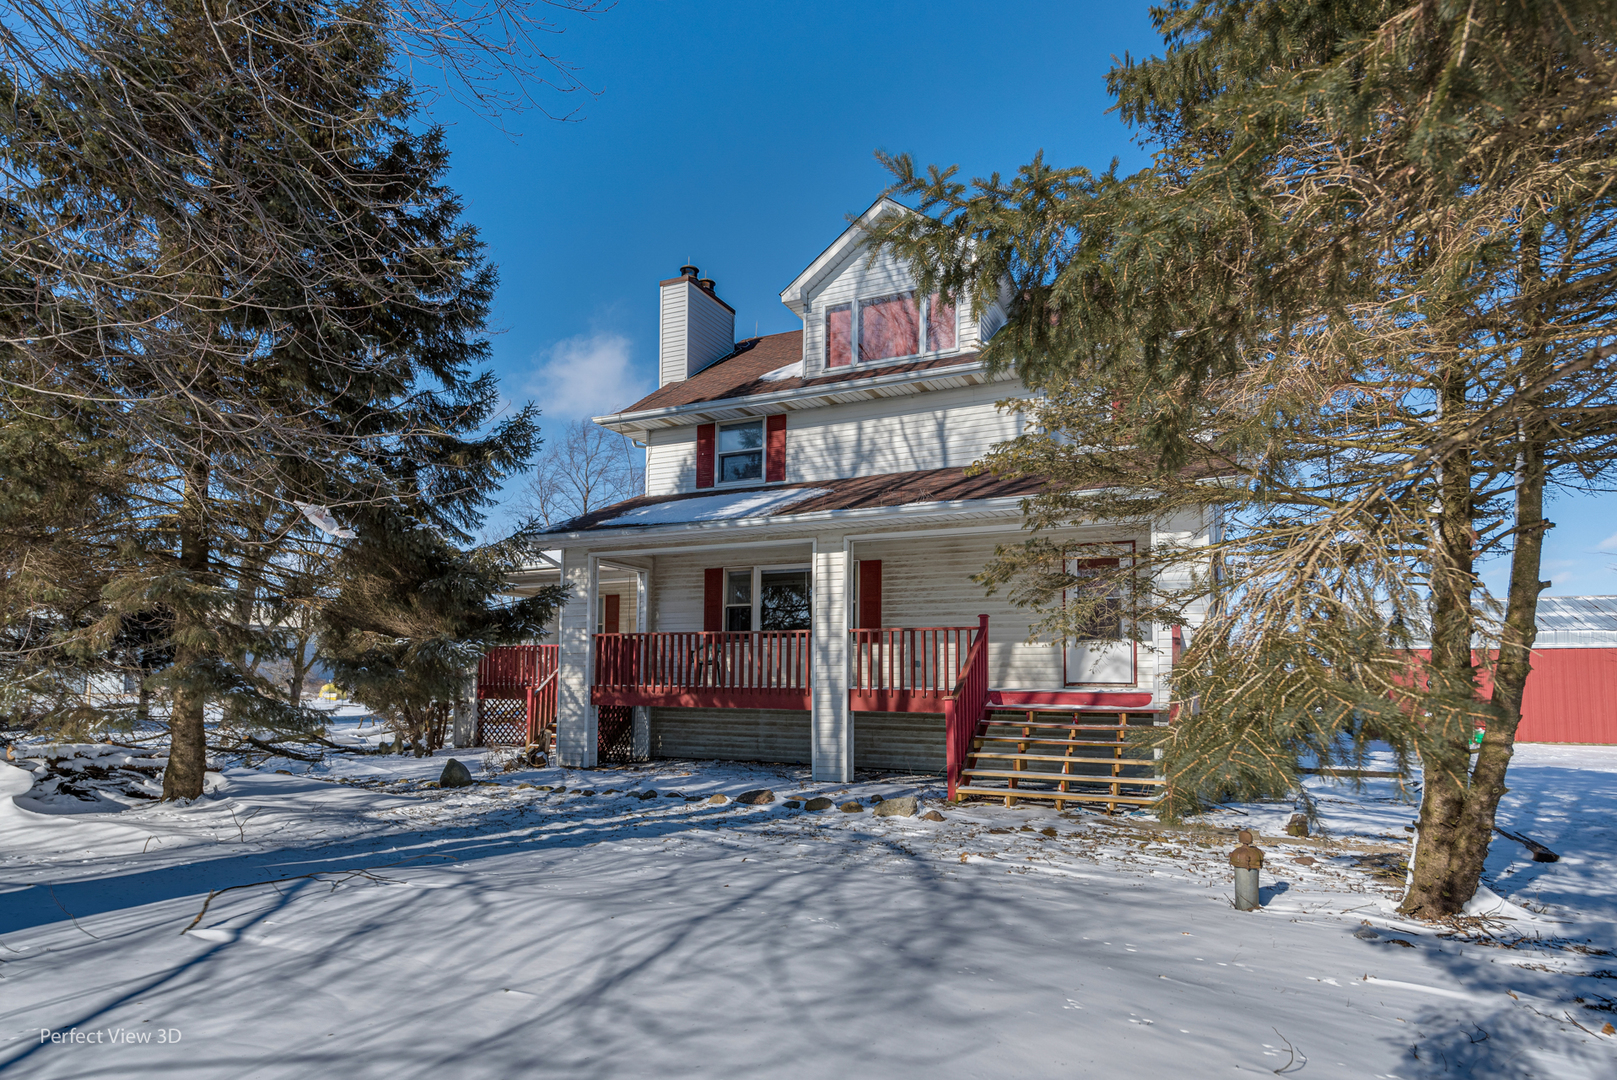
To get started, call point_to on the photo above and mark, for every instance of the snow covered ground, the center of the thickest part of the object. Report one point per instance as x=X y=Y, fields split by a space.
x=364 y=923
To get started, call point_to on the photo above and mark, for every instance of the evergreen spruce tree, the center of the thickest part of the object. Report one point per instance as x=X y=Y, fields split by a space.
x=1358 y=312
x=414 y=614
x=243 y=269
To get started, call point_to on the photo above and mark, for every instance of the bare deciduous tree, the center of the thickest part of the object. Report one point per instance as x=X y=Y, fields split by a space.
x=586 y=468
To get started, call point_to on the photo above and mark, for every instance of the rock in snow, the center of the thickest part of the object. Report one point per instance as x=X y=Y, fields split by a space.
x=852 y=807
x=931 y=815
x=903 y=806
x=718 y=800
x=818 y=803
x=760 y=797
x=455 y=775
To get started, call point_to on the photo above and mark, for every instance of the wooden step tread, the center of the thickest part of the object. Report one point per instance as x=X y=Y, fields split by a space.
x=1073 y=758
x=1102 y=744
x=1059 y=796
x=1027 y=774
x=1070 y=727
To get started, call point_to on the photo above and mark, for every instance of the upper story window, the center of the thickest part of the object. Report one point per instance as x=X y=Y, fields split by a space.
x=741 y=452
x=888 y=327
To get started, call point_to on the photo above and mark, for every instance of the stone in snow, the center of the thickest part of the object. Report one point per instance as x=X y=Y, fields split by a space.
x=818 y=803
x=760 y=797
x=454 y=775
x=931 y=815
x=903 y=806
x=718 y=800
x=852 y=807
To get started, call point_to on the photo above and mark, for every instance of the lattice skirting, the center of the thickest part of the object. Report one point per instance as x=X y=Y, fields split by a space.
x=614 y=725
x=502 y=722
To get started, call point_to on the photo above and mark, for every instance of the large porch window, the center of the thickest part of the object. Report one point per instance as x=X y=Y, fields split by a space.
x=767 y=598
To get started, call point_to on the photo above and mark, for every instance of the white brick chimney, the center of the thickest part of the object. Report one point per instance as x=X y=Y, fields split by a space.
x=695 y=327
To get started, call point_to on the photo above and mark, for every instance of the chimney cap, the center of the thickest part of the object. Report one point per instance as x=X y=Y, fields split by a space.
x=707 y=284
x=689 y=271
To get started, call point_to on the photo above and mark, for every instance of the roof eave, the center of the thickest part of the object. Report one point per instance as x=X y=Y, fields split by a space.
x=1002 y=506
x=802 y=397
x=794 y=294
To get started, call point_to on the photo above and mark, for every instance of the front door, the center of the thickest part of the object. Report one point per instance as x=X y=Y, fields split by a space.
x=1100 y=654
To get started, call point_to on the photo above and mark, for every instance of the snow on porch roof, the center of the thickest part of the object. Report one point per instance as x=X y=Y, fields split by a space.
x=890 y=489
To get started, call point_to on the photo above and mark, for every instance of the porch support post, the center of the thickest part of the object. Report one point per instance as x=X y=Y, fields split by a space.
x=576 y=740
x=466 y=710
x=641 y=737
x=831 y=722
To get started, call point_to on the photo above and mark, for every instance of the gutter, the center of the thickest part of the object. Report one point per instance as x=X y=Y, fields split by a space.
x=673 y=415
x=998 y=507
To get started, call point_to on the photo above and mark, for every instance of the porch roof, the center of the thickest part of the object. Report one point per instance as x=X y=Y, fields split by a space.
x=778 y=502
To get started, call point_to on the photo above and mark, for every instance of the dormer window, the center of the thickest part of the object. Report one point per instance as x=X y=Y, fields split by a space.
x=888 y=328
x=741 y=452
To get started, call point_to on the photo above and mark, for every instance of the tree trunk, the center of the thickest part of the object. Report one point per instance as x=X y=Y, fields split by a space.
x=1444 y=841
x=188 y=746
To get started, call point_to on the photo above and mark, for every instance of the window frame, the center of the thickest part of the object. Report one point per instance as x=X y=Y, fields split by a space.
x=762 y=451
x=755 y=618
x=852 y=307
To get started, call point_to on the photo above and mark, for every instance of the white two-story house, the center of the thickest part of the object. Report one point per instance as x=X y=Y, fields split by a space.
x=795 y=585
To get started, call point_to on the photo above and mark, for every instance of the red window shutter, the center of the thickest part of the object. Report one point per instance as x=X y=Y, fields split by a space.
x=613 y=603
x=713 y=597
x=869 y=594
x=704 y=454
x=775 y=448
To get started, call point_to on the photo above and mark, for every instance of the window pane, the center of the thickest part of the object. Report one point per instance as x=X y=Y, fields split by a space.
x=783 y=600
x=940 y=325
x=839 y=336
x=1105 y=619
x=888 y=327
x=738 y=587
x=741 y=466
x=741 y=437
x=738 y=619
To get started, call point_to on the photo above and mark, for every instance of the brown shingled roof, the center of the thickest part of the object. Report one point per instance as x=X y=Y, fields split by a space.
x=889 y=489
x=740 y=373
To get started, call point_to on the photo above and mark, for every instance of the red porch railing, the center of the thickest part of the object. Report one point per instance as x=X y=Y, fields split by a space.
x=507 y=671
x=967 y=706
x=525 y=673
x=908 y=669
x=764 y=669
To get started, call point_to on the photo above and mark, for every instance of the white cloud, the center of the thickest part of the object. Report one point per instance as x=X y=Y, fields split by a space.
x=587 y=375
x=1608 y=544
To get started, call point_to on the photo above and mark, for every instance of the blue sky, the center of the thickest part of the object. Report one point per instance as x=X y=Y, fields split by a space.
x=739 y=136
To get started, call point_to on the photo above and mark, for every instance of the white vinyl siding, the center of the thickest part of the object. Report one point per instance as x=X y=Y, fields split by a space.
x=856 y=278
x=677 y=582
x=936 y=430
x=928 y=583
x=693 y=331
x=670 y=460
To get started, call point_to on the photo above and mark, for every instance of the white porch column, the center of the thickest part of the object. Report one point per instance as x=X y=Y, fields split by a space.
x=642 y=714
x=576 y=741
x=832 y=724
x=466 y=710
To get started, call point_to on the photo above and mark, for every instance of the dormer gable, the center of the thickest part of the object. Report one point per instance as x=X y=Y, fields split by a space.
x=862 y=313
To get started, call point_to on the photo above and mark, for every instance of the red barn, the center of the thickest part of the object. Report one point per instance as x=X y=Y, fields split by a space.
x=1571 y=694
